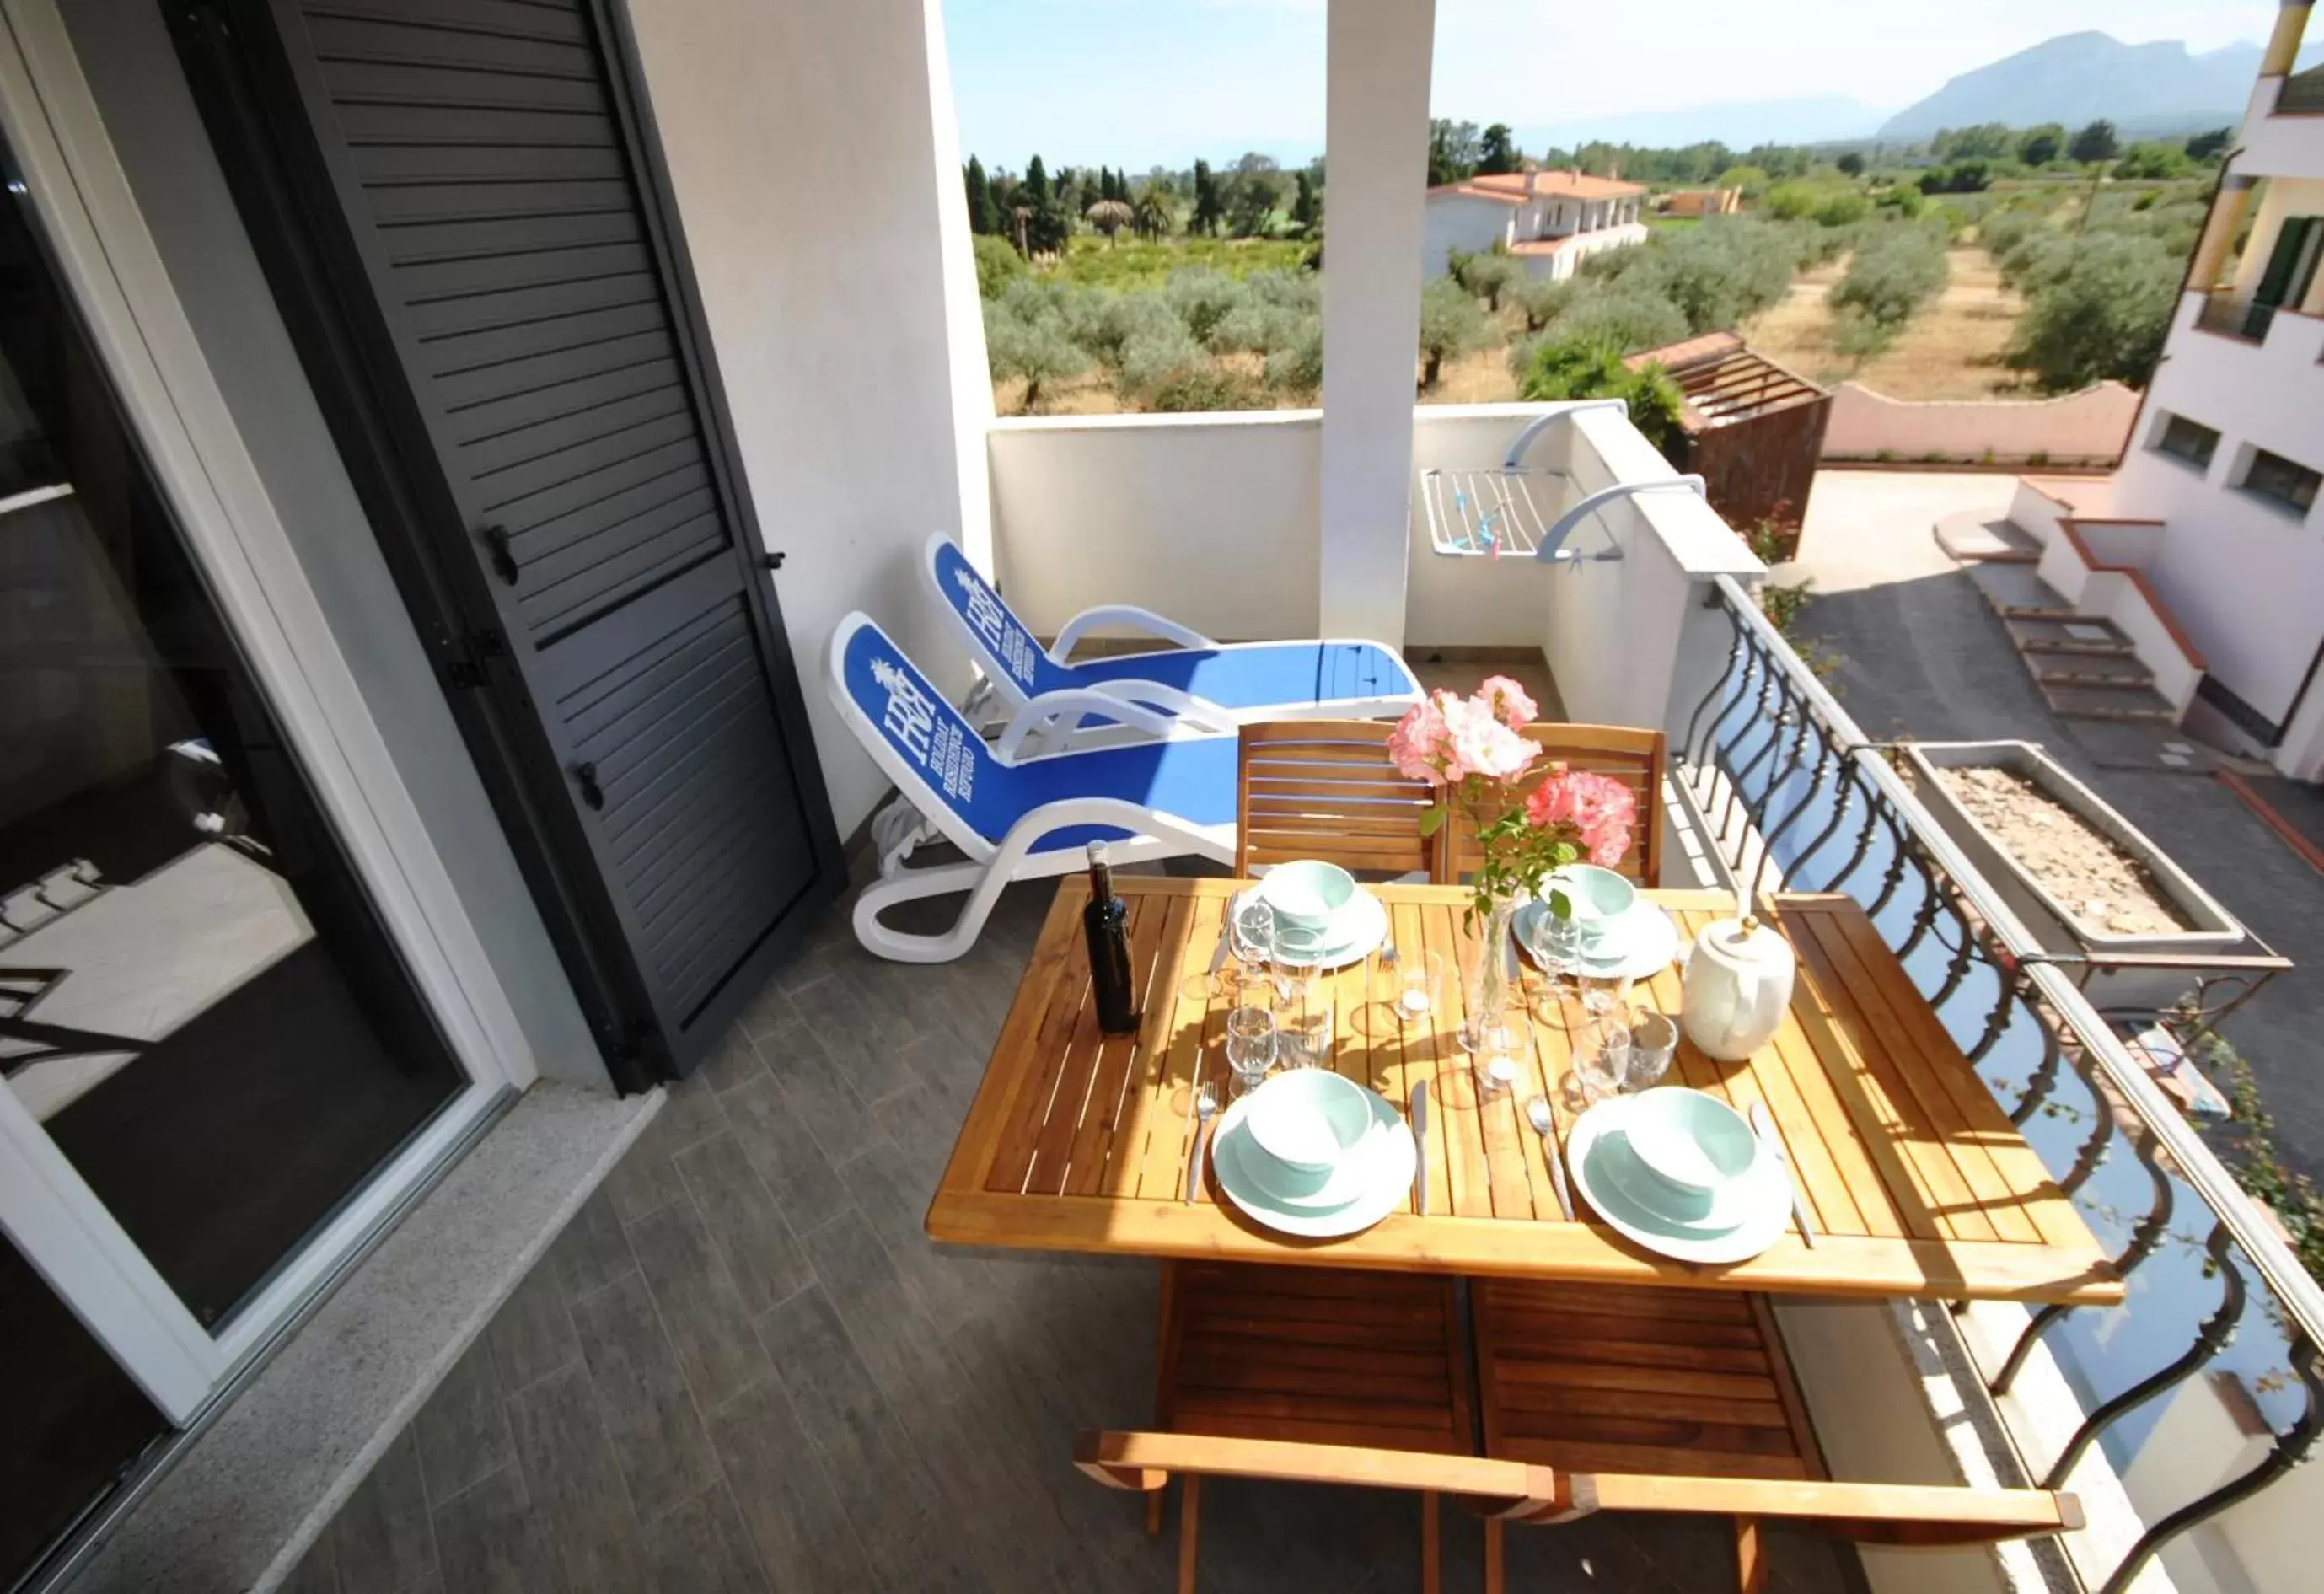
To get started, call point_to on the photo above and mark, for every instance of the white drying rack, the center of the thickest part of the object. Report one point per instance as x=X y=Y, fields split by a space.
x=1516 y=511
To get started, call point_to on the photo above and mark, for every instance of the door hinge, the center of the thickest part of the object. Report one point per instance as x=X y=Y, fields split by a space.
x=470 y=653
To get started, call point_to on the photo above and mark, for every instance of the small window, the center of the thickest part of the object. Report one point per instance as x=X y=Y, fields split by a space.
x=2280 y=480
x=2182 y=438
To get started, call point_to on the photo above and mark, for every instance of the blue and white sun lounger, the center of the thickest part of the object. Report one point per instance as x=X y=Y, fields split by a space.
x=1014 y=819
x=1213 y=685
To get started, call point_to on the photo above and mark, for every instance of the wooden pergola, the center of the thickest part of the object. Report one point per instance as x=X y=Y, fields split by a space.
x=1753 y=430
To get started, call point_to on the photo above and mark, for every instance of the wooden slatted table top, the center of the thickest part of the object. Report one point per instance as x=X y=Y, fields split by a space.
x=1919 y=1183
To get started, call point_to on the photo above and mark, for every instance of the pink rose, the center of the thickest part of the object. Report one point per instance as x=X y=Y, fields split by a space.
x=1420 y=744
x=1600 y=810
x=1483 y=744
x=1507 y=702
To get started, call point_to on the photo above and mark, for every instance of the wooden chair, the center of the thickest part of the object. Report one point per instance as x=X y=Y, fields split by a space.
x=1324 y=789
x=1671 y=1400
x=1636 y=757
x=1299 y=1368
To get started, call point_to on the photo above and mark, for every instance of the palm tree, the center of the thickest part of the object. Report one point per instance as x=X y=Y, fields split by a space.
x=1109 y=216
x=1151 y=217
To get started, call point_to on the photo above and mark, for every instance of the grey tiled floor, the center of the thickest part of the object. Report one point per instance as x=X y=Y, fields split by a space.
x=743 y=1368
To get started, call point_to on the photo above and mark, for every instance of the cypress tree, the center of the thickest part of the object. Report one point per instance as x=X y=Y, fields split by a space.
x=980 y=216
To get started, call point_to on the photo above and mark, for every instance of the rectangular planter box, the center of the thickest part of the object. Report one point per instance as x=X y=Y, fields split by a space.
x=2056 y=926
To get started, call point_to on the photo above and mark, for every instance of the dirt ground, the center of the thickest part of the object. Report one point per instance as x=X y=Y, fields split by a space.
x=1951 y=350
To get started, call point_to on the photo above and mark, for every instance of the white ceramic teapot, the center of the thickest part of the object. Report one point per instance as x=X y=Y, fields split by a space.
x=1736 y=986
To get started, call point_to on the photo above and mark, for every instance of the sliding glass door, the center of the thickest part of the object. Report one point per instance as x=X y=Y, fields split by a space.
x=212 y=1049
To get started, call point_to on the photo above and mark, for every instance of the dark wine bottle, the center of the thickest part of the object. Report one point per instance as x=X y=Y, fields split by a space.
x=1105 y=926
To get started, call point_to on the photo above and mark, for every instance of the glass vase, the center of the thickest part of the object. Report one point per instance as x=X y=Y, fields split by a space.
x=1489 y=980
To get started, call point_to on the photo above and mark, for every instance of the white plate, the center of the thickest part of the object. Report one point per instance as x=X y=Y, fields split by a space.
x=1644 y=940
x=1766 y=1212
x=1378 y=1187
x=1355 y=932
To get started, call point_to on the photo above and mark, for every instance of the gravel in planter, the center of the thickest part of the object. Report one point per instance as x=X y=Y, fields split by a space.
x=2076 y=864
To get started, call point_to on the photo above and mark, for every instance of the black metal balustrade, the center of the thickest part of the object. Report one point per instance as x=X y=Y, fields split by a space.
x=1791 y=792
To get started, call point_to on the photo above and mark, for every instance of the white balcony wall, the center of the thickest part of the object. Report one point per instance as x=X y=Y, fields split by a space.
x=1215 y=521
x=2280 y=146
x=1212 y=520
x=844 y=315
x=2244 y=577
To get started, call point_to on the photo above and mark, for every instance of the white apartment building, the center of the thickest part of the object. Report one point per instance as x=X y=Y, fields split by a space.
x=2227 y=452
x=1550 y=220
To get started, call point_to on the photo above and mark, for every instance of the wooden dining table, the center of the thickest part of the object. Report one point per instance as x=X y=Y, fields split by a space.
x=1915 y=1180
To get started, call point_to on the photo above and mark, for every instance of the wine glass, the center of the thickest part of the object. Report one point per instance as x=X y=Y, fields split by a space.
x=1251 y=934
x=1250 y=1044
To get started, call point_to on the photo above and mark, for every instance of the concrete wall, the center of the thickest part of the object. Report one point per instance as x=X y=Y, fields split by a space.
x=1215 y=521
x=164 y=152
x=2281 y=146
x=1212 y=520
x=843 y=313
x=2244 y=577
x=2089 y=425
x=2117 y=594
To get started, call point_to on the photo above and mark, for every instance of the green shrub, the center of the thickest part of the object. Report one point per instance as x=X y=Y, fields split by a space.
x=2152 y=161
x=1584 y=368
x=1538 y=299
x=1451 y=325
x=1843 y=209
x=1299 y=368
x=1627 y=316
x=1112 y=320
x=1203 y=297
x=1259 y=327
x=1488 y=276
x=998 y=264
x=2101 y=308
x=1199 y=388
x=1857 y=336
x=1035 y=348
x=1895 y=271
x=1154 y=357
x=1716 y=275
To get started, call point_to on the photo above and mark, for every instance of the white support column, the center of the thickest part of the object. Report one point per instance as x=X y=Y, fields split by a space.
x=1376 y=151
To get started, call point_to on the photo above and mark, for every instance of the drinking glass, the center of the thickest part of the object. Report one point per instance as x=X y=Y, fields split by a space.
x=1419 y=984
x=1252 y=934
x=1654 y=1039
x=1250 y=1044
x=1556 y=945
x=1303 y=1026
x=1501 y=1054
x=1602 y=1058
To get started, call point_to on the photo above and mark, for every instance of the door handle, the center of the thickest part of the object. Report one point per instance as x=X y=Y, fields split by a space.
x=772 y=560
x=503 y=558
x=585 y=776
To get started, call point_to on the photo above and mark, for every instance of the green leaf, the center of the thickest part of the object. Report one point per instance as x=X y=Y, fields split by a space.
x=1431 y=821
x=1561 y=905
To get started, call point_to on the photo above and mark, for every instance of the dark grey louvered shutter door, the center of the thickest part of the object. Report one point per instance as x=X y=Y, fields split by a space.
x=478 y=153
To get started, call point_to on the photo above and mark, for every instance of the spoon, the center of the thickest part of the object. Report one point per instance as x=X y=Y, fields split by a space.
x=1206 y=1108
x=1538 y=1114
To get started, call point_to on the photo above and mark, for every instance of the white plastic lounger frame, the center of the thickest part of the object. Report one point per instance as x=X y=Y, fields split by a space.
x=989 y=867
x=1005 y=649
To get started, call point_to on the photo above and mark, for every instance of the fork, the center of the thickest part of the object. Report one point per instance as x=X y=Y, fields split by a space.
x=1206 y=1108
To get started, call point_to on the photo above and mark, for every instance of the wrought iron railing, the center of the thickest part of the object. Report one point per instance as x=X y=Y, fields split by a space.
x=2224 y=312
x=1790 y=790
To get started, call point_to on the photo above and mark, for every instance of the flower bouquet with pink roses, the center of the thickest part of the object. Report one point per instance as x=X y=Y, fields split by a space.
x=1472 y=749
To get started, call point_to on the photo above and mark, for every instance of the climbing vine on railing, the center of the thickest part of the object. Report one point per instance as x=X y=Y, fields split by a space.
x=2248 y=1142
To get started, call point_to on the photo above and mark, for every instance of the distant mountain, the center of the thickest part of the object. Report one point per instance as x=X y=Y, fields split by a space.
x=2076 y=78
x=1811 y=119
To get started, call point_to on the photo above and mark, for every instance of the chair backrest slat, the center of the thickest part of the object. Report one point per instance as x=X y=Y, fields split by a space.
x=1324 y=789
x=1636 y=758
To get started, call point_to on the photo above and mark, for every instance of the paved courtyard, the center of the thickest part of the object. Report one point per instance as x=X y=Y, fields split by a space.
x=1922 y=656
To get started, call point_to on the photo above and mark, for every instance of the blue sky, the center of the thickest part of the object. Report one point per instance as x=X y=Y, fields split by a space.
x=1140 y=82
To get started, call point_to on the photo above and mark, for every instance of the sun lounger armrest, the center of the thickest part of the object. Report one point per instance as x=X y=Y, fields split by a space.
x=1040 y=713
x=1125 y=614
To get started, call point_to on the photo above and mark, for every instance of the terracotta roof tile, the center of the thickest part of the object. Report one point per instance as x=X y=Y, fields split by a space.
x=1514 y=187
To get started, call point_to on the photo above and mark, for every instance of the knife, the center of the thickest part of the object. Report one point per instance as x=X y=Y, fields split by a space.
x=1763 y=1124
x=1420 y=1144
x=1226 y=934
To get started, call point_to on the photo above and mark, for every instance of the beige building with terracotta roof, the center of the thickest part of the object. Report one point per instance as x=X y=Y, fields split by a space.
x=1549 y=219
